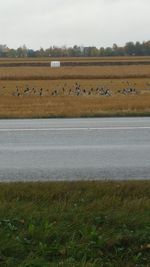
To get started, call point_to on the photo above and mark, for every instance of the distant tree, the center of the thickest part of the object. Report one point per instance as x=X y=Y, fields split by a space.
x=3 y=50
x=130 y=49
x=94 y=52
x=146 y=48
x=77 y=51
x=138 y=49
x=102 y=51
x=90 y=51
x=19 y=52
x=109 y=51
x=11 y=53
x=56 y=51
x=41 y=52
x=115 y=49
x=22 y=51
x=31 y=53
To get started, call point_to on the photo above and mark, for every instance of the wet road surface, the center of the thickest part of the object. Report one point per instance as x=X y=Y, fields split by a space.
x=67 y=149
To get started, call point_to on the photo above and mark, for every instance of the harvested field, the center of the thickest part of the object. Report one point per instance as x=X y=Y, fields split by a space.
x=85 y=87
x=72 y=106
x=76 y=59
x=74 y=91
x=75 y=63
x=47 y=73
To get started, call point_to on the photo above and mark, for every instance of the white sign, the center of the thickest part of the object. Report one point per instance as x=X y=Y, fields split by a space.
x=55 y=64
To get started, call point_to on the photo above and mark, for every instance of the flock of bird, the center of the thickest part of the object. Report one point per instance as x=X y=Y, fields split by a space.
x=75 y=90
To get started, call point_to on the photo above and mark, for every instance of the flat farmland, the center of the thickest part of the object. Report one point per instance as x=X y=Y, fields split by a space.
x=87 y=72
x=77 y=59
x=75 y=91
x=71 y=106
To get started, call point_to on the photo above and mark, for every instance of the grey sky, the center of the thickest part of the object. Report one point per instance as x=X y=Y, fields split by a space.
x=42 y=23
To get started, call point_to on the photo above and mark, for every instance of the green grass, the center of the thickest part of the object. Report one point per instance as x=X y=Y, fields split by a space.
x=90 y=224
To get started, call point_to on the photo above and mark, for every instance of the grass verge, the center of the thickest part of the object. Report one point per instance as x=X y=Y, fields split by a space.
x=88 y=224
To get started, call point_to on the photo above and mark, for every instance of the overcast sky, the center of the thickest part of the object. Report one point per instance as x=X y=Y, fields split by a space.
x=42 y=23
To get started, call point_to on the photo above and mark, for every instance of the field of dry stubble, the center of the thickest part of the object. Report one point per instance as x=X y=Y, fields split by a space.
x=70 y=91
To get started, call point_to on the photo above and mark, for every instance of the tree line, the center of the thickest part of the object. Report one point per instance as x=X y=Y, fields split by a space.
x=129 y=49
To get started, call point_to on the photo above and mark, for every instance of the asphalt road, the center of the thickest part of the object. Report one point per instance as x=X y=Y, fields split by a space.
x=57 y=149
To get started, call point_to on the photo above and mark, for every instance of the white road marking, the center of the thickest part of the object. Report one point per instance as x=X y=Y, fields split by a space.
x=73 y=129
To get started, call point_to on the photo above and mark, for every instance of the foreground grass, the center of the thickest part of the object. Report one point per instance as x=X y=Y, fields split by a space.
x=75 y=224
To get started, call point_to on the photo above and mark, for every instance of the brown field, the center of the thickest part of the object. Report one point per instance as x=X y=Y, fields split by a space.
x=63 y=87
x=76 y=59
x=47 y=73
x=71 y=106
x=75 y=91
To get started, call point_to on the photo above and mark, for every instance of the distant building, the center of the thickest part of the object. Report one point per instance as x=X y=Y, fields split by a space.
x=55 y=64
